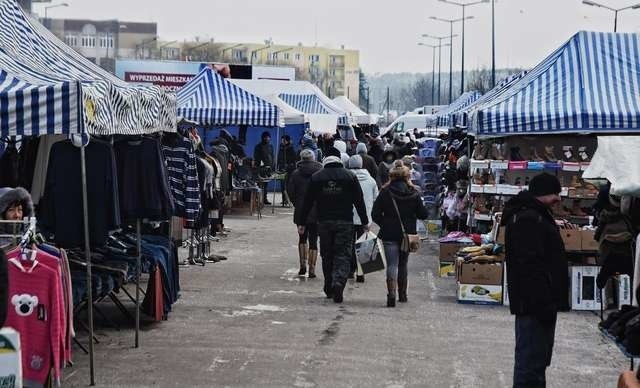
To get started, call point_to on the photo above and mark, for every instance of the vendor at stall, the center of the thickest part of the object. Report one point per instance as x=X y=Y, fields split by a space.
x=15 y=204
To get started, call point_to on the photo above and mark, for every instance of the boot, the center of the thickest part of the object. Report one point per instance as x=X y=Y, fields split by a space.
x=490 y=179
x=515 y=154
x=582 y=154
x=549 y=154
x=337 y=294
x=302 y=253
x=496 y=154
x=576 y=210
x=533 y=155
x=575 y=182
x=402 y=291
x=359 y=278
x=479 y=152
x=313 y=258
x=391 y=293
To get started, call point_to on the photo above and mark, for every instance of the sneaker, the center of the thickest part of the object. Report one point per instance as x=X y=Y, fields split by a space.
x=337 y=294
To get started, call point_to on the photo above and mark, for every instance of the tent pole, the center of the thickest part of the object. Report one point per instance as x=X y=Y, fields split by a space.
x=138 y=269
x=273 y=204
x=87 y=253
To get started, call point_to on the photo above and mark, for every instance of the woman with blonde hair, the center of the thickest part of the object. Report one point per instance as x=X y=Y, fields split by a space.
x=397 y=208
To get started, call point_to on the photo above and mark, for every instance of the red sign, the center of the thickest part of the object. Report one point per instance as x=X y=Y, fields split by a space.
x=169 y=82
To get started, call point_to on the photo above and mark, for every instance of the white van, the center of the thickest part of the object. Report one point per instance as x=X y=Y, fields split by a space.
x=408 y=122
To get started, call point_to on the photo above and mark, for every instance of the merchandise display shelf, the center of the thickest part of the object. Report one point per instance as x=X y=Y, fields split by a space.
x=529 y=165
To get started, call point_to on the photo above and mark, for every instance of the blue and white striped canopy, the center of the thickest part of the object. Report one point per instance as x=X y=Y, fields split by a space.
x=31 y=53
x=444 y=116
x=590 y=84
x=27 y=110
x=210 y=100
x=313 y=104
x=461 y=117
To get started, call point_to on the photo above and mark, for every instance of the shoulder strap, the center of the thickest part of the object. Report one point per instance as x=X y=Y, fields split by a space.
x=397 y=212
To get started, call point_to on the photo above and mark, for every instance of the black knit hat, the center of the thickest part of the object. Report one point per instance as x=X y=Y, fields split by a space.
x=544 y=184
x=265 y=134
x=333 y=151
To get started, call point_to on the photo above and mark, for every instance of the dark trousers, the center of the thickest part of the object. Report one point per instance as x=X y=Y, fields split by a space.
x=534 y=347
x=358 y=231
x=310 y=235
x=336 y=246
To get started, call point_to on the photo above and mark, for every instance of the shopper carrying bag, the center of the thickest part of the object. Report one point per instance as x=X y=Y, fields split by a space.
x=396 y=211
x=369 y=254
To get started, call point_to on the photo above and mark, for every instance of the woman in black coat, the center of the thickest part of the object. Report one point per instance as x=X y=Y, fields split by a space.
x=400 y=190
x=296 y=189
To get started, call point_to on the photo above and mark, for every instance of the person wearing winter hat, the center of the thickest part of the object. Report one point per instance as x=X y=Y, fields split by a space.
x=538 y=276
x=332 y=151
x=334 y=191
x=368 y=163
x=376 y=149
x=297 y=189
x=388 y=157
x=263 y=161
x=15 y=204
x=309 y=143
x=340 y=145
x=370 y=192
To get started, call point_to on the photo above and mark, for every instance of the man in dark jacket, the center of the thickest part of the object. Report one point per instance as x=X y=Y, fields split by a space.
x=263 y=161
x=538 y=276
x=335 y=191
x=297 y=189
x=287 y=159
x=368 y=163
x=376 y=149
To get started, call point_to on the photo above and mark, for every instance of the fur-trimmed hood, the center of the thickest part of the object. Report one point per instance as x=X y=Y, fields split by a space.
x=9 y=196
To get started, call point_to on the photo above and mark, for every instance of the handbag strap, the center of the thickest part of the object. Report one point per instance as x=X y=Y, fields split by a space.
x=395 y=205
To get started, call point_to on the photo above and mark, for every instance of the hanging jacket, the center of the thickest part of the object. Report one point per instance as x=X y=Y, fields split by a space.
x=297 y=189
x=409 y=204
x=537 y=266
x=369 y=193
x=10 y=167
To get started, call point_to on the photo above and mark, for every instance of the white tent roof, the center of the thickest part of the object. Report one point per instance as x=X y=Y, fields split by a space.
x=359 y=116
x=291 y=114
x=319 y=123
x=612 y=160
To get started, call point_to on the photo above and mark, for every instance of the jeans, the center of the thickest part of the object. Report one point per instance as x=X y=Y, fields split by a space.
x=310 y=235
x=396 y=261
x=336 y=245
x=534 y=347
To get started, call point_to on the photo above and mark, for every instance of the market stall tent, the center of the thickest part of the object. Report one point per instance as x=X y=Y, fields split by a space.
x=31 y=53
x=324 y=116
x=443 y=118
x=210 y=100
x=358 y=115
x=590 y=84
x=291 y=115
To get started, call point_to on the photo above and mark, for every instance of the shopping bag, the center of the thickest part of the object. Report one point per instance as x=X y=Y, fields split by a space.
x=370 y=254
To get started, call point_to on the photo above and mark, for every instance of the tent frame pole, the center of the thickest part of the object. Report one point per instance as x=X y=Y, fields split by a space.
x=87 y=253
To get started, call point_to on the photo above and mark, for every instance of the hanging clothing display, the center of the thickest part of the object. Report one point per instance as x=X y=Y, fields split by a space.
x=182 y=170
x=10 y=166
x=41 y=165
x=60 y=210
x=28 y=156
x=142 y=180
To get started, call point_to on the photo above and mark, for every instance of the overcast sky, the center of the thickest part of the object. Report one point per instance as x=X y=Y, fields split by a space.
x=386 y=33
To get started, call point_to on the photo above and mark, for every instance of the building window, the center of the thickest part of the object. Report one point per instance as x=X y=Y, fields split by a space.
x=297 y=57
x=286 y=56
x=88 y=41
x=254 y=55
x=71 y=40
x=106 y=41
x=237 y=54
x=314 y=58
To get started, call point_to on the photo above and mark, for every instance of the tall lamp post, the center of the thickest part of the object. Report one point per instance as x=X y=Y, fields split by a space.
x=493 y=43
x=451 y=22
x=439 y=39
x=464 y=8
x=433 y=71
x=614 y=10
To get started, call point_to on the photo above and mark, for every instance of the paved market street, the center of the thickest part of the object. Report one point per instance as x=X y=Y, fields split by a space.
x=250 y=321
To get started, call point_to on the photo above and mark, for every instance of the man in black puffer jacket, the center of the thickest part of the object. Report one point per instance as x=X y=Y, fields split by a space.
x=538 y=277
x=334 y=191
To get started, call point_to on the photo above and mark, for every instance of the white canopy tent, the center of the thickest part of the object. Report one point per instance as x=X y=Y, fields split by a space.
x=318 y=122
x=617 y=159
x=291 y=114
x=358 y=115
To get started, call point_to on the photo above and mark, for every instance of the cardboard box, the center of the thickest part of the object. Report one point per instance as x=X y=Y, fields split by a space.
x=588 y=243
x=618 y=291
x=572 y=239
x=584 y=294
x=479 y=294
x=10 y=358
x=448 y=250
x=447 y=269
x=482 y=274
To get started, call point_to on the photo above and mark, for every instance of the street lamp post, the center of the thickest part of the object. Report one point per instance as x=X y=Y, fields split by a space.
x=451 y=22
x=433 y=71
x=493 y=43
x=464 y=8
x=614 y=10
x=439 y=39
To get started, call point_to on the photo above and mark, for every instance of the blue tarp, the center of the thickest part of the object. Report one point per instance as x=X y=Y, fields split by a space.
x=591 y=84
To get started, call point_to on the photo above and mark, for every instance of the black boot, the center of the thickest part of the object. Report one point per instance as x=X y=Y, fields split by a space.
x=391 y=293
x=402 y=291
x=359 y=278
x=337 y=294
